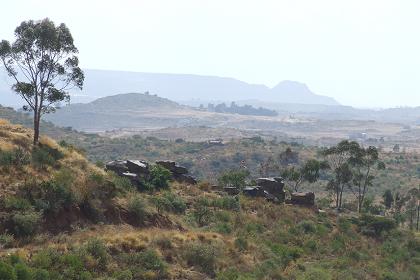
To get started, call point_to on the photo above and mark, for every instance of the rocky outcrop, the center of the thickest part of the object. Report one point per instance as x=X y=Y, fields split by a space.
x=117 y=166
x=173 y=167
x=138 y=167
x=273 y=186
x=138 y=170
x=303 y=198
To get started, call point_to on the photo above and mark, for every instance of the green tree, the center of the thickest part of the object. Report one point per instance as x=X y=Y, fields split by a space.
x=364 y=162
x=42 y=62
x=388 y=199
x=309 y=172
x=338 y=158
x=234 y=178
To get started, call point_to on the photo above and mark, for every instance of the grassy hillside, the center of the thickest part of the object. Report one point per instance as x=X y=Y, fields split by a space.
x=63 y=218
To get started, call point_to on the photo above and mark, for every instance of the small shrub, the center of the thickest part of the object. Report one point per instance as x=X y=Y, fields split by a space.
x=6 y=240
x=202 y=214
x=97 y=249
x=227 y=203
x=234 y=178
x=25 y=223
x=136 y=206
x=15 y=203
x=43 y=156
x=223 y=228
x=160 y=176
x=307 y=227
x=17 y=158
x=169 y=202
x=41 y=274
x=23 y=272
x=202 y=256
x=7 y=272
x=375 y=225
x=241 y=243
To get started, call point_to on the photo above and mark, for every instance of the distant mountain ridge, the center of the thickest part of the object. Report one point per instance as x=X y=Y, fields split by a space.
x=101 y=83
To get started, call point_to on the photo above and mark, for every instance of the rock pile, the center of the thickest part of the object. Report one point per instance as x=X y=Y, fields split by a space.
x=179 y=173
x=270 y=188
x=139 y=170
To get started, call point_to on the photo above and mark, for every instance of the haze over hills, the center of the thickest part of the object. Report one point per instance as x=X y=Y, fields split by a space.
x=101 y=83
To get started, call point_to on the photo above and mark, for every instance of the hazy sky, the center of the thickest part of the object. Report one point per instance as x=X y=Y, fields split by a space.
x=361 y=52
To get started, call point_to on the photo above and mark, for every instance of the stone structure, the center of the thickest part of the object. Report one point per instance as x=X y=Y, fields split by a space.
x=138 y=170
x=303 y=198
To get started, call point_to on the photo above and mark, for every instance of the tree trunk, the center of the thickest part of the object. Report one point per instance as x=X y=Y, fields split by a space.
x=36 y=127
x=418 y=215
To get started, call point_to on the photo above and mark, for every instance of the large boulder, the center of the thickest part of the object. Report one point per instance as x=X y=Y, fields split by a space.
x=134 y=179
x=253 y=191
x=138 y=167
x=186 y=179
x=273 y=186
x=303 y=198
x=172 y=166
x=117 y=166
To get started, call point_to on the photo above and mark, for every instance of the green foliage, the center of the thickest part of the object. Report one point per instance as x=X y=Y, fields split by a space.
x=137 y=207
x=17 y=158
x=23 y=272
x=241 y=243
x=53 y=53
x=227 y=203
x=7 y=272
x=169 y=202
x=201 y=213
x=388 y=199
x=6 y=240
x=375 y=225
x=307 y=227
x=97 y=249
x=202 y=256
x=25 y=224
x=160 y=176
x=145 y=261
x=234 y=178
x=43 y=156
x=52 y=197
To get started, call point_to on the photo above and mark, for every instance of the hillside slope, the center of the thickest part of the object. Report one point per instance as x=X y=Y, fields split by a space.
x=63 y=218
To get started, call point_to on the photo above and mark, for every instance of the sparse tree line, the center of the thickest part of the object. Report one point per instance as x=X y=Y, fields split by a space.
x=237 y=109
x=346 y=169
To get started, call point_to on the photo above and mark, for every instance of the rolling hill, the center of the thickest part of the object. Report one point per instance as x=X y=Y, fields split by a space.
x=101 y=83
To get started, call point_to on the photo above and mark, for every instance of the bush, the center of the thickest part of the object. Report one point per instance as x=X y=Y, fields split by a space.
x=147 y=261
x=26 y=223
x=7 y=272
x=307 y=227
x=160 y=176
x=23 y=272
x=136 y=206
x=227 y=203
x=202 y=256
x=43 y=156
x=17 y=157
x=241 y=243
x=53 y=197
x=97 y=249
x=6 y=240
x=375 y=225
x=202 y=214
x=169 y=202
x=234 y=178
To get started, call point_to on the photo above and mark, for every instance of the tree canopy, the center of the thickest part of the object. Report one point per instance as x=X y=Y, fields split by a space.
x=43 y=64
